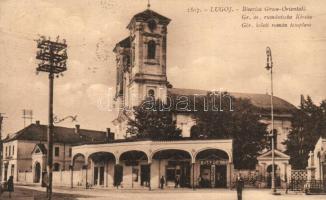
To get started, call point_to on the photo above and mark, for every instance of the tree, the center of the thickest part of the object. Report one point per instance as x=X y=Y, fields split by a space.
x=240 y=123
x=151 y=121
x=308 y=124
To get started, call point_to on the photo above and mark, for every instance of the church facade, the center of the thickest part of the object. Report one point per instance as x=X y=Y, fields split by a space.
x=141 y=73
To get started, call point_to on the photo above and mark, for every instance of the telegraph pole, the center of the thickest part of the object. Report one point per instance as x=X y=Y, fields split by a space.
x=1 y=121
x=53 y=56
x=269 y=66
x=1 y=143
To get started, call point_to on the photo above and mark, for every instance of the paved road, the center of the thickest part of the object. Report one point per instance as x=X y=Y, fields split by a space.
x=36 y=193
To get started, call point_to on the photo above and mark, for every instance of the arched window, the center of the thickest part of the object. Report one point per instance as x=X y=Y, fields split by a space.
x=151 y=93
x=152 y=25
x=151 y=49
x=56 y=167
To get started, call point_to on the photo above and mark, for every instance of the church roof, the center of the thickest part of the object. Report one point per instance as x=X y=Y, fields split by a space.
x=149 y=14
x=261 y=101
x=125 y=43
x=38 y=132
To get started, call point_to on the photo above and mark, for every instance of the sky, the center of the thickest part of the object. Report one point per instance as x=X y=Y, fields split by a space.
x=205 y=51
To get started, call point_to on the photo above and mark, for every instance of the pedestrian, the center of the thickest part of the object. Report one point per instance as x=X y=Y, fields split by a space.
x=162 y=181
x=176 y=181
x=199 y=180
x=239 y=186
x=10 y=185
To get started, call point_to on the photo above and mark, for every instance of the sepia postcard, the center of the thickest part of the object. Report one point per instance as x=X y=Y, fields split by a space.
x=162 y=99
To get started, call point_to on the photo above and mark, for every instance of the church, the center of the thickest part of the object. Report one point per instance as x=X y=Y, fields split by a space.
x=141 y=72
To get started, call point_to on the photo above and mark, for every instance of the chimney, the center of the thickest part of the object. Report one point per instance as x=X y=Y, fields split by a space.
x=77 y=128
x=37 y=122
x=109 y=135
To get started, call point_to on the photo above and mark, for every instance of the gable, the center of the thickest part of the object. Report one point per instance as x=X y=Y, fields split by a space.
x=277 y=155
x=39 y=149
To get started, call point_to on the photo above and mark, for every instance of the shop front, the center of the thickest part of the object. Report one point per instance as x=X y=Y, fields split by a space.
x=212 y=174
x=141 y=164
x=213 y=168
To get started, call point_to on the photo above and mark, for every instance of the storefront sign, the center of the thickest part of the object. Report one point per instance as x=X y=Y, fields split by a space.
x=213 y=176
x=213 y=162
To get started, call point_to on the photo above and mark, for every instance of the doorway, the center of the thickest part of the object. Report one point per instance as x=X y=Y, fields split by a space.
x=99 y=175
x=37 y=172
x=212 y=176
x=277 y=176
x=5 y=176
x=178 y=170
x=144 y=175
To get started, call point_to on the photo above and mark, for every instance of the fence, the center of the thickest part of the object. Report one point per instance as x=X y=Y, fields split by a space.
x=298 y=180
x=251 y=178
x=315 y=186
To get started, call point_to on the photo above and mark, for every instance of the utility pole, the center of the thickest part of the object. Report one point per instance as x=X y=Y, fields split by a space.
x=53 y=56
x=1 y=121
x=269 y=66
x=1 y=143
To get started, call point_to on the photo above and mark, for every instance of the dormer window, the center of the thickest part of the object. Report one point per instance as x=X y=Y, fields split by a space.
x=151 y=49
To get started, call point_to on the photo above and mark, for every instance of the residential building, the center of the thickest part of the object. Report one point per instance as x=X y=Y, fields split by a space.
x=25 y=151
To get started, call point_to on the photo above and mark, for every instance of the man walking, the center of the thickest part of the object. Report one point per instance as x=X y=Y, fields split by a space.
x=162 y=181
x=176 y=182
x=10 y=185
x=239 y=186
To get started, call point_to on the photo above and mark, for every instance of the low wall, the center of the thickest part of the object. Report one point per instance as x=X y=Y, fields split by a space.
x=25 y=177
x=63 y=178
x=60 y=178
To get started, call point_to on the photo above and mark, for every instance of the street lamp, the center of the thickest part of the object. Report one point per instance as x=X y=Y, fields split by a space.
x=52 y=56
x=269 y=66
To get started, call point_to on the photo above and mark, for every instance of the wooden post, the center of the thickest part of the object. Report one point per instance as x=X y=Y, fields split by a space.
x=149 y=181
x=71 y=176
x=193 y=175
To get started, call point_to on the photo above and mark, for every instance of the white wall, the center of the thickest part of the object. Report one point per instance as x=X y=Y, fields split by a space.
x=185 y=122
x=317 y=164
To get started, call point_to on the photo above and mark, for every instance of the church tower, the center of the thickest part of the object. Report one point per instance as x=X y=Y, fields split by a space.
x=141 y=60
